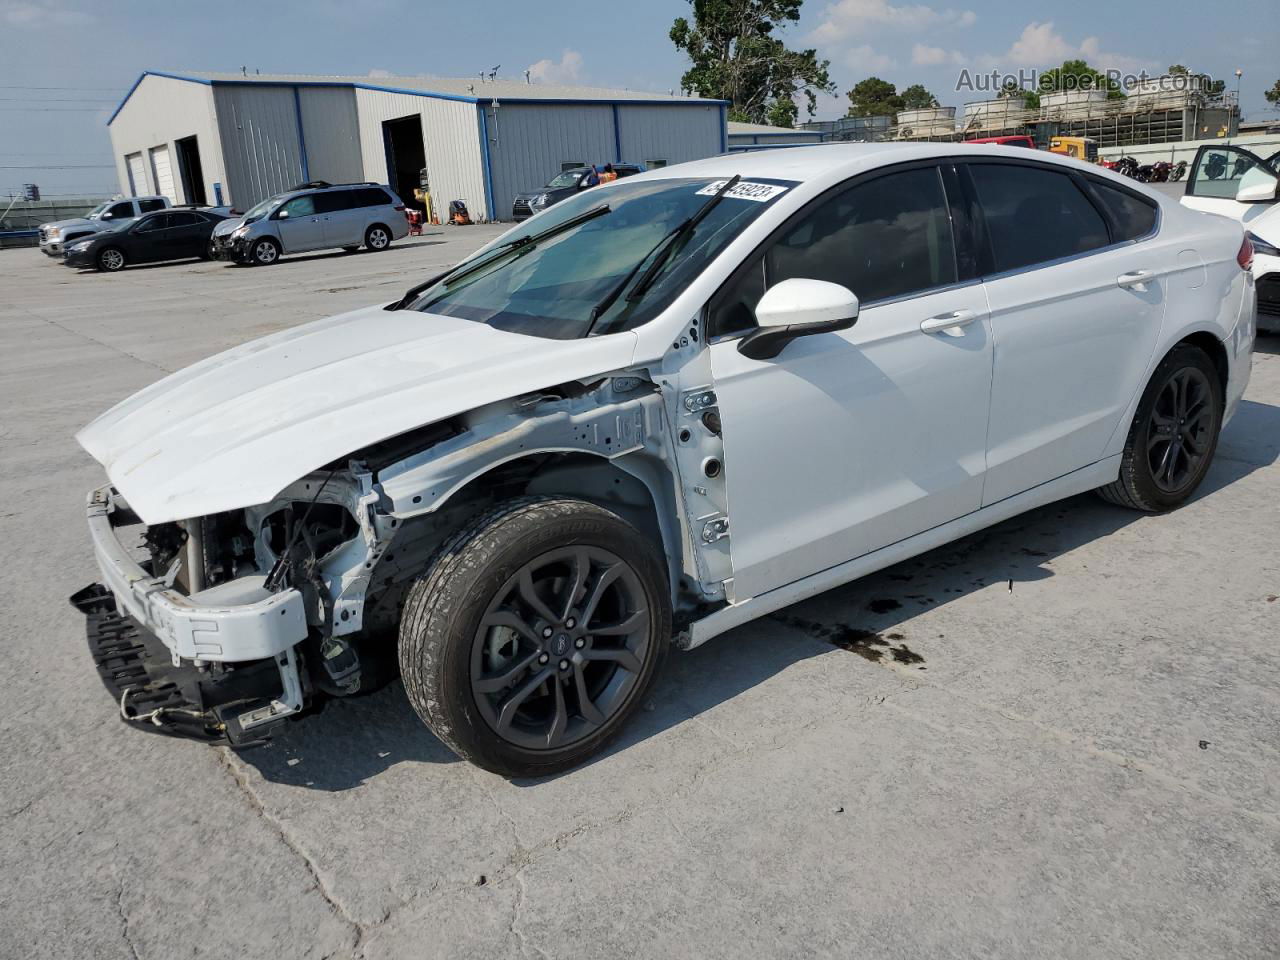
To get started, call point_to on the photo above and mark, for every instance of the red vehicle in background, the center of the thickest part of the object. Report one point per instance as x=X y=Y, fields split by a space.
x=1015 y=141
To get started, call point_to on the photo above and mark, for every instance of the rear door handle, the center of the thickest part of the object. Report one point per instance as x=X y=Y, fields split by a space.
x=1134 y=278
x=946 y=321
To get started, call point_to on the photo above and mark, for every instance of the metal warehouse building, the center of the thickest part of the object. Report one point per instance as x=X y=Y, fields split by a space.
x=229 y=138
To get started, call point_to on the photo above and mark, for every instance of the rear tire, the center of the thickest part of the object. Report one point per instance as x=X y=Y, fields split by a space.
x=111 y=260
x=492 y=653
x=377 y=237
x=1174 y=434
x=264 y=252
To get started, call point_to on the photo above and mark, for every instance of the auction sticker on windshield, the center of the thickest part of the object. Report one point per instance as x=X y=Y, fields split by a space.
x=759 y=192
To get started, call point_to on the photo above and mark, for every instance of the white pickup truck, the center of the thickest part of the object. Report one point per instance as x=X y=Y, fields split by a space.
x=55 y=236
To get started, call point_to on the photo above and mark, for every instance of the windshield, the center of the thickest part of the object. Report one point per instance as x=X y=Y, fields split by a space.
x=262 y=208
x=569 y=178
x=97 y=212
x=549 y=289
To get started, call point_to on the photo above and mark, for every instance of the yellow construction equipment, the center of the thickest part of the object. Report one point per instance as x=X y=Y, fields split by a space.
x=1082 y=148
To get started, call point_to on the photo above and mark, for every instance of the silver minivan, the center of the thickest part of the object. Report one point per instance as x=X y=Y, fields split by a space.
x=313 y=216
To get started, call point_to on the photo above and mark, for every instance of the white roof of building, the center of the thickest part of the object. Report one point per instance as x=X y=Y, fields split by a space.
x=460 y=87
x=737 y=128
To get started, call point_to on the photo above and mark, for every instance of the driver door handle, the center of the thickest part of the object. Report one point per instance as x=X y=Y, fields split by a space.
x=947 y=321
x=1134 y=278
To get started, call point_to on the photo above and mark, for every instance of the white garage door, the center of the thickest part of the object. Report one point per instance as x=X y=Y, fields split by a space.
x=137 y=175
x=163 y=172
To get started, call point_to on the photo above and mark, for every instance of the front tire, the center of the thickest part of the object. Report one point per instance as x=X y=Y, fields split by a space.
x=377 y=237
x=534 y=633
x=111 y=260
x=1174 y=434
x=264 y=252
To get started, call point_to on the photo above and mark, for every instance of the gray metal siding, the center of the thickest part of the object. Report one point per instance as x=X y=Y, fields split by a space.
x=676 y=133
x=331 y=134
x=160 y=111
x=259 y=127
x=451 y=141
x=528 y=142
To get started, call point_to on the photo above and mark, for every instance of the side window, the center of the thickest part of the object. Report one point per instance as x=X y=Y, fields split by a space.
x=153 y=223
x=121 y=211
x=1035 y=215
x=332 y=201
x=1218 y=172
x=300 y=206
x=183 y=219
x=886 y=237
x=146 y=206
x=372 y=197
x=1134 y=216
x=655 y=164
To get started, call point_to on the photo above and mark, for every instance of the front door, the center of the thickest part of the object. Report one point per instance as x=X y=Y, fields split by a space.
x=1218 y=173
x=1077 y=294
x=847 y=442
x=301 y=227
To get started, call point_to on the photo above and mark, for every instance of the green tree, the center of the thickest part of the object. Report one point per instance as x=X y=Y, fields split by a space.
x=1273 y=95
x=1078 y=75
x=736 y=56
x=916 y=97
x=874 y=97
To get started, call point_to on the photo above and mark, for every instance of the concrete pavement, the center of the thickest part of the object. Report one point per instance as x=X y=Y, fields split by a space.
x=1075 y=756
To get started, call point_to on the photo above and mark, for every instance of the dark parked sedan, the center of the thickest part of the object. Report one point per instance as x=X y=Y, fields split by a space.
x=163 y=235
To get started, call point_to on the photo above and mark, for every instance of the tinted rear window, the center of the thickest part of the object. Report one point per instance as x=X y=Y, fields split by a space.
x=1134 y=216
x=146 y=205
x=371 y=197
x=1035 y=215
x=334 y=200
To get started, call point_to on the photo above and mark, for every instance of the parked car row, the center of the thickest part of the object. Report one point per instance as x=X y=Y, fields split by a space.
x=311 y=216
x=664 y=408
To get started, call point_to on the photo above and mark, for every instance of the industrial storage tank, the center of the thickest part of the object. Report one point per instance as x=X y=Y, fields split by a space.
x=927 y=122
x=1003 y=113
x=1072 y=103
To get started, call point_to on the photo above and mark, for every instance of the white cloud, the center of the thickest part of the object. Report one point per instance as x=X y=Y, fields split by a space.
x=926 y=56
x=846 y=17
x=567 y=70
x=1041 y=46
x=865 y=58
x=40 y=13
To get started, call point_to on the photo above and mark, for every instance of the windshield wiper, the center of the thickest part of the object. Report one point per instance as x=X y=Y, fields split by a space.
x=454 y=274
x=667 y=244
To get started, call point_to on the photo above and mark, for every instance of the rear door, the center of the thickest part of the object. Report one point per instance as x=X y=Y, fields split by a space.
x=187 y=236
x=1076 y=283
x=849 y=441
x=300 y=227
x=1217 y=174
x=344 y=217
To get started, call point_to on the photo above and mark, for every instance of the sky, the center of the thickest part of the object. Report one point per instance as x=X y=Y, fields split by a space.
x=65 y=64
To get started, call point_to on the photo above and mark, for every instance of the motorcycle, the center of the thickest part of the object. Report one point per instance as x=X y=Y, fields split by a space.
x=1179 y=171
x=1158 y=172
x=1128 y=167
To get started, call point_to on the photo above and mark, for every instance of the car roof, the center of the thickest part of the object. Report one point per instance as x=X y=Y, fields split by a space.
x=812 y=162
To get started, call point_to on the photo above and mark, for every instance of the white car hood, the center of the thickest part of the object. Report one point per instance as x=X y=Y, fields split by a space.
x=235 y=429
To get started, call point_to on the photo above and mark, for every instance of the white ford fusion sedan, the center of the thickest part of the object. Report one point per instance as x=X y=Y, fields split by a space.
x=651 y=413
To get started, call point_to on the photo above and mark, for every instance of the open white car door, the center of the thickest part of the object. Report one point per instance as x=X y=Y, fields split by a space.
x=1232 y=182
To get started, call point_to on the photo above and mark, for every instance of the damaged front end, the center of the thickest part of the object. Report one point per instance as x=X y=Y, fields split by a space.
x=222 y=626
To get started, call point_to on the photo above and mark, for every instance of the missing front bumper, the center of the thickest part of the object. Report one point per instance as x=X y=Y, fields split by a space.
x=240 y=704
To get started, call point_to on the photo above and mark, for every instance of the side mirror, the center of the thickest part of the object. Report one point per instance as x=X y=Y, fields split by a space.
x=798 y=308
x=282 y=215
x=1257 y=186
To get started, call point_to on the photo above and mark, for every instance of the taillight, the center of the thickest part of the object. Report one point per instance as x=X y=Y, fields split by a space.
x=1245 y=256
